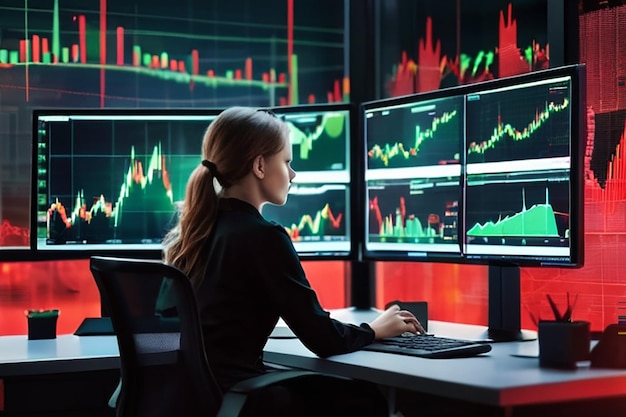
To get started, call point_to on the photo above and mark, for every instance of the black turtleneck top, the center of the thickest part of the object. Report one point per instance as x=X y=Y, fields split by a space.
x=254 y=277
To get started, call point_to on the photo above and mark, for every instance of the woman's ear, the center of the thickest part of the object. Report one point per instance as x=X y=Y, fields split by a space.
x=258 y=167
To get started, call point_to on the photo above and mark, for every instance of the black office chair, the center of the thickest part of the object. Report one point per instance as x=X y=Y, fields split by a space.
x=164 y=369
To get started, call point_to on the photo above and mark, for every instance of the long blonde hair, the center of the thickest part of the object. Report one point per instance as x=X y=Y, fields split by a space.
x=230 y=145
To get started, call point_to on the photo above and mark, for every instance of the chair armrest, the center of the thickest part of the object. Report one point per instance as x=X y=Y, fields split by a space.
x=272 y=378
x=234 y=399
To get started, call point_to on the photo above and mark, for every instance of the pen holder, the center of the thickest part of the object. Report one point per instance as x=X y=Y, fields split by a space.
x=563 y=343
x=42 y=324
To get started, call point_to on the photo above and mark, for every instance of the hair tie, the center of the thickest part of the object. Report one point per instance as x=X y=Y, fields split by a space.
x=211 y=166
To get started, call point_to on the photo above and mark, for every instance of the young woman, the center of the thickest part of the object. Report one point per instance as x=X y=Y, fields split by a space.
x=244 y=269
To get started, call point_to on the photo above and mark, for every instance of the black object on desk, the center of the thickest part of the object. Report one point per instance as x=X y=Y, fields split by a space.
x=102 y=326
x=429 y=346
x=563 y=343
x=95 y=326
x=610 y=352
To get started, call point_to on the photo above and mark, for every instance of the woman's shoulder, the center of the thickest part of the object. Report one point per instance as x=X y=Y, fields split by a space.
x=273 y=229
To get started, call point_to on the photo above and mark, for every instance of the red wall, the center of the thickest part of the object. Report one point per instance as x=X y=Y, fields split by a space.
x=455 y=293
x=69 y=287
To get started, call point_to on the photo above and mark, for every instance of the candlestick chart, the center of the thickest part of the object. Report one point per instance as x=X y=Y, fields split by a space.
x=108 y=46
x=114 y=182
x=72 y=53
x=534 y=125
x=133 y=54
x=138 y=213
x=425 y=134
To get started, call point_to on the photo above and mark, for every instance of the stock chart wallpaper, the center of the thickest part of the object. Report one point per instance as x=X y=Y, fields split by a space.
x=432 y=44
x=216 y=54
x=138 y=53
x=428 y=45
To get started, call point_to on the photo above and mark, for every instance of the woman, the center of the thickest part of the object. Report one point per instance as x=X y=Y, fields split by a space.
x=245 y=270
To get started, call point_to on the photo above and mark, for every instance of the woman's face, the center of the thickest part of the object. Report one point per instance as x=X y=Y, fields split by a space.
x=278 y=175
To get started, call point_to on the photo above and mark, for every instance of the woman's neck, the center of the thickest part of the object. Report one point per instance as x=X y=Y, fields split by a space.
x=244 y=194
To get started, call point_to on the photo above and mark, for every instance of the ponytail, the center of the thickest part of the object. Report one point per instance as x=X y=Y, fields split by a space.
x=184 y=244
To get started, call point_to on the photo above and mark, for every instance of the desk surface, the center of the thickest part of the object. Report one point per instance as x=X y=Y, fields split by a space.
x=498 y=378
x=67 y=353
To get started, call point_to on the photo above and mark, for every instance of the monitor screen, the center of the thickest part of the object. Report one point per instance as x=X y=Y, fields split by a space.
x=489 y=172
x=521 y=198
x=413 y=177
x=317 y=212
x=110 y=180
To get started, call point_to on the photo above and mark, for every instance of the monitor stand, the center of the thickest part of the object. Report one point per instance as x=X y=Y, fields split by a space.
x=504 y=321
x=362 y=283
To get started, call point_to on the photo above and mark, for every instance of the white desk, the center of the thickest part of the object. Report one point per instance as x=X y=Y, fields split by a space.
x=68 y=375
x=65 y=354
x=497 y=378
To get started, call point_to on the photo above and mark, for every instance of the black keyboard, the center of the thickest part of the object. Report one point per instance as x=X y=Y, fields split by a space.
x=429 y=346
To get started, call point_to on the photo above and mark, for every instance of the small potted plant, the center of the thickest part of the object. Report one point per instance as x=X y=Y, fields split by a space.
x=42 y=324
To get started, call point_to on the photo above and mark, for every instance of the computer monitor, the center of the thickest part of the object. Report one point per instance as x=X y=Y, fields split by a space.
x=108 y=181
x=413 y=177
x=523 y=195
x=488 y=173
x=317 y=214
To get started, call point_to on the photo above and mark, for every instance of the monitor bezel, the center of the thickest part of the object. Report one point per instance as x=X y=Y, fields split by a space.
x=16 y=253
x=578 y=143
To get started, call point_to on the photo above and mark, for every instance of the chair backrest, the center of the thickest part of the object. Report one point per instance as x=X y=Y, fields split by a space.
x=154 y=314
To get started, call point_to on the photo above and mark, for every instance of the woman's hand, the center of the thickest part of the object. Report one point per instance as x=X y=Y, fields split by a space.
x=394 y=322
